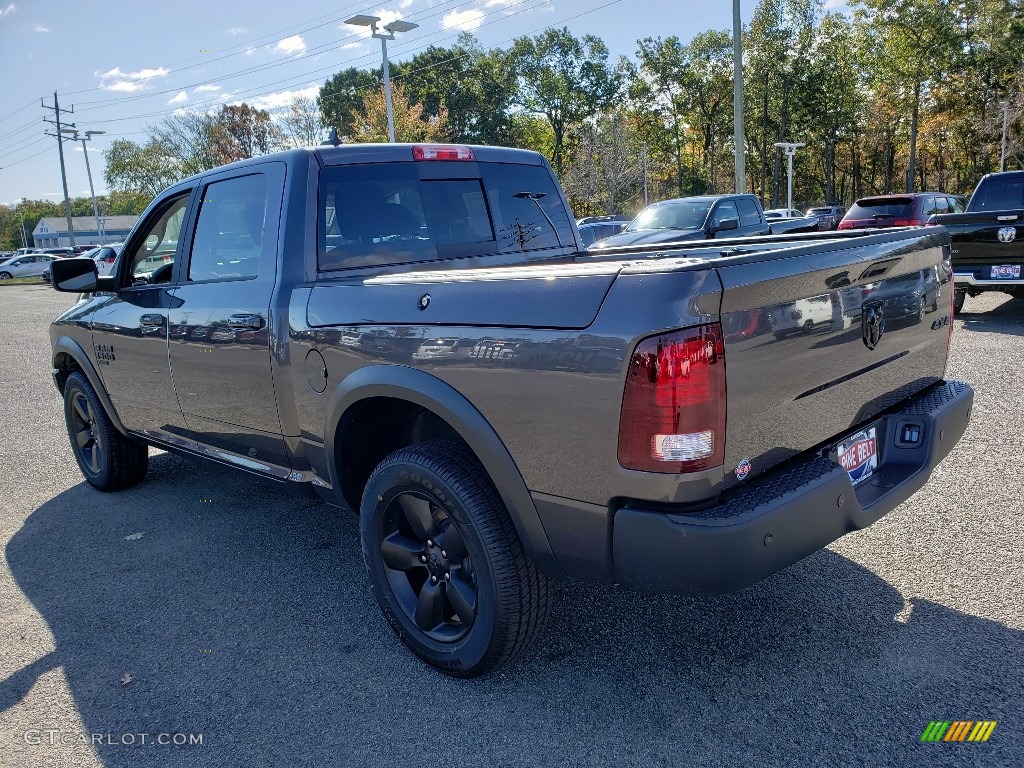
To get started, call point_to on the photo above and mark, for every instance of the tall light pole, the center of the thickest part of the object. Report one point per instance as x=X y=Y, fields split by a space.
x=791 y=149
x=1002 y=151
x=737 y=99
x=75 y=136
x=388 y=34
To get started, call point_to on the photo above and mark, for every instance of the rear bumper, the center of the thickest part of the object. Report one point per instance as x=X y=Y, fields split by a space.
x=985 y=285
x=783 y=516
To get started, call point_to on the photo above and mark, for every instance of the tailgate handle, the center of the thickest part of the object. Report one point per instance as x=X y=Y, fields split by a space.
x=877 y=269
x=1014 y=217
x=254 y=322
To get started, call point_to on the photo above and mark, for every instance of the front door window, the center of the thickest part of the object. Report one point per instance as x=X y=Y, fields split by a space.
x=153 y=259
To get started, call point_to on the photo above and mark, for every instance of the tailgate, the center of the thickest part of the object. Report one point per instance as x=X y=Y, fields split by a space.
x=821 y=338
x=983 y=240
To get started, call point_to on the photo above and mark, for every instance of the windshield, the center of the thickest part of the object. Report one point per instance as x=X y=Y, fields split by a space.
x=682 y=214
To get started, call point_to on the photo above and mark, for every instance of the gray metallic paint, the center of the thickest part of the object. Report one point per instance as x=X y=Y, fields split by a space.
x=539 y=395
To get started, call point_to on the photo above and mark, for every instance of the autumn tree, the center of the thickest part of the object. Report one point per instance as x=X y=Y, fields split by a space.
x=371 y=124
x=302 y=125
x=341 y=97
x=240 y=132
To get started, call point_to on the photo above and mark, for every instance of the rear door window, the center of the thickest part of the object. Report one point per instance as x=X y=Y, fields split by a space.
x=386 y=214
x=749 y=215
x=228 y=240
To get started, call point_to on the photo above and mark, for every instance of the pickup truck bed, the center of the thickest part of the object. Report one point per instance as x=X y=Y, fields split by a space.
x=414 y=333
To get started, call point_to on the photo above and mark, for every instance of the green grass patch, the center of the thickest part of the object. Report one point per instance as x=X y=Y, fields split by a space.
x=23 y=281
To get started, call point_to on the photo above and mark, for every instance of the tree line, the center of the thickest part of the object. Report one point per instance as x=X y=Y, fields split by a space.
x=897 y=95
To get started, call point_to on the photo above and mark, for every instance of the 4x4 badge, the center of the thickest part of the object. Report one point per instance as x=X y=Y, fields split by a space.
x=872 y=325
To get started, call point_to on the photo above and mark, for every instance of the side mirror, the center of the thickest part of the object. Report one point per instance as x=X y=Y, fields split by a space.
x=726 y=224
x=74 y=275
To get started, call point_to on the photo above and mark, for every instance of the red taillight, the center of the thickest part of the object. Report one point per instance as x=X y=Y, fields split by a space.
x=673 y=407
x=907 y=223
x=845 y=225
x=441 y=152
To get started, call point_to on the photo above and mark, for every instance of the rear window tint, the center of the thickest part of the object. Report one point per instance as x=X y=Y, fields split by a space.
x=385 y=214
x=997 y=194
x=895 y=207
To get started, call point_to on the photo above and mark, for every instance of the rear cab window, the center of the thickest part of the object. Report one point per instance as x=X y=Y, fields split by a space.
x=410 y=212
x=999 y=194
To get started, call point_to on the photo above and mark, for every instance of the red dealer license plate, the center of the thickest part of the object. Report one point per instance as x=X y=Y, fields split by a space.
x=858 y=455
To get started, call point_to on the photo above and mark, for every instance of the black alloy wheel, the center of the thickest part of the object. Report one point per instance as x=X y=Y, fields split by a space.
x=445 y=562
x=108 y=459
x=428 y=566
x=87 y=443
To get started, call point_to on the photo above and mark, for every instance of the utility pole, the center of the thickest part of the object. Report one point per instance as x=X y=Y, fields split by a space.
x=738 y=137
x=75 y=136
x=1002 y=151
x=60 y=150
x=645 y=175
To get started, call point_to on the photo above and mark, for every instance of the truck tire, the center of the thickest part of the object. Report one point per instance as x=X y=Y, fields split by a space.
x=108 y=460
x=445 y=563
x=959 y=297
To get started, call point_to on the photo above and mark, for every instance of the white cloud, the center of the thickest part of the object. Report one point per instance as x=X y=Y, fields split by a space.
x=466 y=20
x=179 y=99
x=249 y=51
x=238 y=31
x=208 y=88
x=40 y=28
x=350 y=46
x=128 y=82
x=405 y=4
x=290 y=45
x=91 y=149
x=8 y=10
x=282 y=98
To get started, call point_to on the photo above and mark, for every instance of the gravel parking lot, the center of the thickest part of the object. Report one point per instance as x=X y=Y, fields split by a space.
x=242 y=615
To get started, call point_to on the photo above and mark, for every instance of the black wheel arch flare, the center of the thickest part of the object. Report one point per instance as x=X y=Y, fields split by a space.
x=423 y=389
x=66 y=346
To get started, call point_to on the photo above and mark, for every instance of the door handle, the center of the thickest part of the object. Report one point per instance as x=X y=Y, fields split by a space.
x=255 y=322
x=152 y=320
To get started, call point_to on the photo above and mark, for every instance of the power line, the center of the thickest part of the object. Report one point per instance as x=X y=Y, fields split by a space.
x=37 y=154
x=12 y=114
x=213 y=101
x=99 y=103
x=23 y=128
x=244 y=46
x=31 y=139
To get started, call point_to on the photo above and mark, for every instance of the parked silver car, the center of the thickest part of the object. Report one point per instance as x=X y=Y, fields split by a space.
x=30 y=265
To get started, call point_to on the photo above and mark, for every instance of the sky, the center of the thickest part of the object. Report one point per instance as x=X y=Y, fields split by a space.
x=123 y=65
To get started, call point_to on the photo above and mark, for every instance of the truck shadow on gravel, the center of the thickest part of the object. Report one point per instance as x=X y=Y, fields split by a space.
x=1006 y=318
x=243 y=614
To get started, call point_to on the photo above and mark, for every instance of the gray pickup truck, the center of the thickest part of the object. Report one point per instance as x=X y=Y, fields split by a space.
x=413 y=333
x=988 y=238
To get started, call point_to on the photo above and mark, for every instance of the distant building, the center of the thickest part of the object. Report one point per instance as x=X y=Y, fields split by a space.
x=53 y=232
